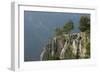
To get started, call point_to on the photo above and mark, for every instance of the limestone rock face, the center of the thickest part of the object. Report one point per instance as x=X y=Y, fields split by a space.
x=68 y=46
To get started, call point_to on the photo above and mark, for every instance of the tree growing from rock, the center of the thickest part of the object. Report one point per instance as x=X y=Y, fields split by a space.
x=68 y=27
x=84 y=23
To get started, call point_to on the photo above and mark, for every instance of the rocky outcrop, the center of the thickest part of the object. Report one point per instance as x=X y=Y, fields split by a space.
x=67 y=46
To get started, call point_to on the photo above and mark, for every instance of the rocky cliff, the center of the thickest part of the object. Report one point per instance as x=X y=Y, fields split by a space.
x=67 y=46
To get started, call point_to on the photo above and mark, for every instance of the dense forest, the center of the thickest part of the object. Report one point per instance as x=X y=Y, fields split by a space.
x=68 y=45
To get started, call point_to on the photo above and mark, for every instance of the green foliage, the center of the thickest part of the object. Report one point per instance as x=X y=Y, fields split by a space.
x=84 y=23
x=88 y=50
x=53 y=58
x=69 y=54
x=68 y=27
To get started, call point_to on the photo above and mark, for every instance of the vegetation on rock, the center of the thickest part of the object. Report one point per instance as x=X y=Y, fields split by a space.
x=66 y=45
